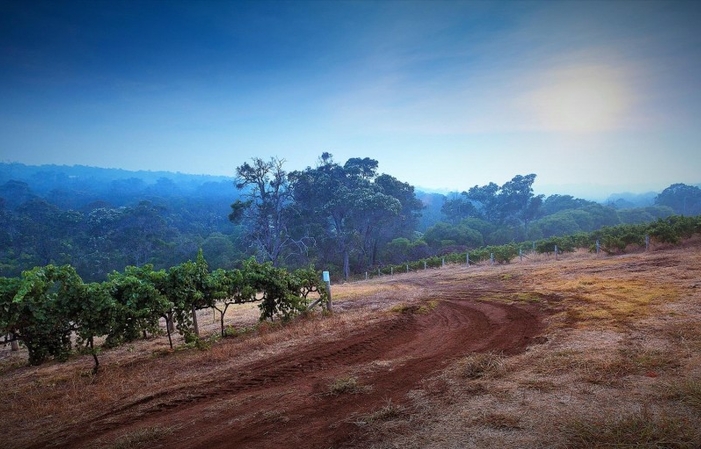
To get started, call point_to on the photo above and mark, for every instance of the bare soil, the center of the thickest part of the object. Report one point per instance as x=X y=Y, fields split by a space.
x=401 y=345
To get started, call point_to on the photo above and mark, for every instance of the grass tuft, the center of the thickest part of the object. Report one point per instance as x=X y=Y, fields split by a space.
x=385 y=413
x=346 y=385
x=640 y=430
x=479 y=365
x=687 y=391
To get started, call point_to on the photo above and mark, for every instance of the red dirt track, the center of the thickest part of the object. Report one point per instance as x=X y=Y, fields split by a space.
x=284 y=401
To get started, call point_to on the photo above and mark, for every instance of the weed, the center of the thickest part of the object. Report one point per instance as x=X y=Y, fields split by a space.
x=687 y=391
x=638 y=430
x=427 y=307
x=385 y=413
x=346 y=385
x=231 y=331
x=478 y=365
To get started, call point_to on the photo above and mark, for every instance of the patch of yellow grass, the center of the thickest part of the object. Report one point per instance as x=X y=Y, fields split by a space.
x=612 y=302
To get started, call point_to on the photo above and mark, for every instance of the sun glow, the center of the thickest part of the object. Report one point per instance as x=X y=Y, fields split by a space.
x=580 y=99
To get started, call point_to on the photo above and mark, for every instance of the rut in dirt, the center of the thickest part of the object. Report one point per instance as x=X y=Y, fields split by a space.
x=284 y=401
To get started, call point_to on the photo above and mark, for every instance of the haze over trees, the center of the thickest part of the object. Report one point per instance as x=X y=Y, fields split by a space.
x=346 y=217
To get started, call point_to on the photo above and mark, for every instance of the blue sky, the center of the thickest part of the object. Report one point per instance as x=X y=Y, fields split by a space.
x=593 y=97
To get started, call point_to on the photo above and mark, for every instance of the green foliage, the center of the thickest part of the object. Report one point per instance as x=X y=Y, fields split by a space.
x=683 y=199
x=138 y=303
x=41 y=312
x=47 y=304
x=615 y=239
x=278 y=289
x=444 y=234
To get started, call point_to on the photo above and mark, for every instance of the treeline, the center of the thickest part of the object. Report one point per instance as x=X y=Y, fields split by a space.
x=45 y=307
x=100 y=220
x=609 y=240
x=345 y=217
x=349 y=219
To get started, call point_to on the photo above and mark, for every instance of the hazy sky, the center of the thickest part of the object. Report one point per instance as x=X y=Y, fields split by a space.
x=445 y=94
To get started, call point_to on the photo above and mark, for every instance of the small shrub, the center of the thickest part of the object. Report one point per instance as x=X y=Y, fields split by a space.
x=346 y=385
x=386 y=413
x=478 y=365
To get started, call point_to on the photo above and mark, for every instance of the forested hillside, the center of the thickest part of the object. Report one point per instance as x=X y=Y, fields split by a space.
x=100 y=220
x=345 y=217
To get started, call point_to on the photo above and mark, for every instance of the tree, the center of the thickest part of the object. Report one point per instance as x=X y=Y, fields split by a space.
x=187 y=287
x=265 y=208
x=486 y=201
x=342 y=205
x=138 y=301
x=516 y=201
x=41 y=313
x=684 y=199
x=444 y=234
x=556 y=203
x=459 y=207
x=227 y=287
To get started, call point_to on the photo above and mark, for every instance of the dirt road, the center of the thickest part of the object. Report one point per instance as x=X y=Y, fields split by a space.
x=290 y=400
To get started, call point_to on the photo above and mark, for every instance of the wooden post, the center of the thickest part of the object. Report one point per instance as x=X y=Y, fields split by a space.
x=366 y=275
x=467 y=259
x=555 y=252
x=194 y=321
x=443 y=262
x=520 y=254
x=407 y=268
x=14 y=344
x=327 y=280
x=647 y=243
x=491 y=258
x=598 y=247
x=391 y=271
x=424 y=264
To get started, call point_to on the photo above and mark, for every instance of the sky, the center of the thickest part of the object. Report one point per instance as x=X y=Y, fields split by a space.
x=593 y=97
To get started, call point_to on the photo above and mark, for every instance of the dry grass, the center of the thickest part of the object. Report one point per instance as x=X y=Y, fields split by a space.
x=624 y=333
x=480 y=365
x=145 y=437
x=632 y=430
x=346 y=385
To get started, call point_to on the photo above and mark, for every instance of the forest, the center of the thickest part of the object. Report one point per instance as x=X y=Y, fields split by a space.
x=346 y=218
x=96 y=253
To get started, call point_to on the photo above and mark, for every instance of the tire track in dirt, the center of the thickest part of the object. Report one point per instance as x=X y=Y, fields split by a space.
x=283 y=401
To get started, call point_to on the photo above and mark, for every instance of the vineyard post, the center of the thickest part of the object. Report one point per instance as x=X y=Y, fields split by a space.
x=366 y=275
x=491 y=258
x=327 y=280
x=378 y=272
x=555 y=252
x=407 y=268
x=391 y=271
x=443 y=262
x=598 y=247
x=520 y=254
x=424 y=264
x=195 y=326
x=467 y=259
x=647 y=242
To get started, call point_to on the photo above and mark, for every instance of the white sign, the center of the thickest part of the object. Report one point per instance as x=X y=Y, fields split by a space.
x=325 y=276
